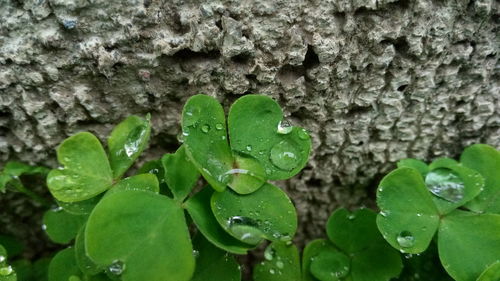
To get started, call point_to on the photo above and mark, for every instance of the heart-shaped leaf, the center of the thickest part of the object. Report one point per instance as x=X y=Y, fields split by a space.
x=486 y=160
x=468 y=243
x=199 y=209
x=180 y=173
x=86 y=170
x=256 y=127
x=452 y=184
x=213 y=264
x=266 y=213
x=63 y=266
x=126 y=142
x=144 y=182
x=311 y=251
x=408 y=217
x=138 y=243
x=415 y=164
x=205 y=138
x=492 y=273
x=60 y=226
x=281 y=263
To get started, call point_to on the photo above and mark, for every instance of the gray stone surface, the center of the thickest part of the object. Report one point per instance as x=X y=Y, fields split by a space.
x=373 y=80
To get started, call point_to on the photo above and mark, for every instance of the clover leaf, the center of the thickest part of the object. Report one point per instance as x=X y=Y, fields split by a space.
x=313 y=249
x=267 y=213
x=144 y=182
x=137 y=242
x=86 y=170
x=281 y=263
x=199 y=209
x=180 y=173
x=213 y=264
x=61 y=226
x=126 y=142
x=358 y=251
x=257 y=128
x=486 y=160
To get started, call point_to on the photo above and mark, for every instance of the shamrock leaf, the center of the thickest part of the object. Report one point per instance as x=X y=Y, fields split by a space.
x=180 y=173
x=86 y=170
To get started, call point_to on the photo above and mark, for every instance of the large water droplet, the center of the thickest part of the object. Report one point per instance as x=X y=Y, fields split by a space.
x=245 y=229
x=205 y=128
x=446 y=184
x=2 y=259
x=134 y=139
x=219 y=126
x=249 y=148
x=284 y=127
x=269 y=253
x=405 y=239
x=117 y=268
x=6 y=270
x=284 y=156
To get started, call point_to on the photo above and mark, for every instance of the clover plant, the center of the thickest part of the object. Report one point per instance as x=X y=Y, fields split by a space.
x=137 y=227
x=456 y=201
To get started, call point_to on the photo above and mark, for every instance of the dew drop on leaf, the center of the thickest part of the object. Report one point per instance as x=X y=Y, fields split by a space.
x=116 y=268
x=132 y=145
x=219 y=126
x=6 y=270
x=405 y=239
x=303 y=135
x=284 y=127
x=446 y=184
x=245 y=229
x=269 y=253
x=249 y=148
x=2 y=258
x=284 y=156
x=280 y=264
x=205 y=128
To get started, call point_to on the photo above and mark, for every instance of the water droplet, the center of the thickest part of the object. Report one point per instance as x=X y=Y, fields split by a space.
x=44 y=227
x=351 y=216
x=196 y=253
x=284 y=156
x=245 y=229
x=6 y=270
x=384 y=214
x=446 y=184
x=249 y=148
x=205 y=128
x=303 y=135
x=272 y=271
x=269 y=253
x=117 y=267
x=134 y=140
x=284 y=127
x=280 y=264
x=419 y=214
x=405 y=239
x=2 y=259
x=219 y=126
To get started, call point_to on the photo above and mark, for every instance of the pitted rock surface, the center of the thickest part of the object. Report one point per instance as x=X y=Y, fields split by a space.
x=374 y=81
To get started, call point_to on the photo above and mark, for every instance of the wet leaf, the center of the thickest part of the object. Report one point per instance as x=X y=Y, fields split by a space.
x=256 y=128
x=247 y=176
x=199 y=209
x=205 y=138
x=85 y=264
x=281 y=263
x=143 y=182
x=468 y=243
x=126 y=142
x=408 y=217
x=486 y=160
x=139 y=243
x=330 y=265
x=61 y=226
x=311 y=251
x=180 y=173
x=86 y=170
x=415 y=164
x=63 y=266
x=81 y=207
x=266 y=213
x=213 y=264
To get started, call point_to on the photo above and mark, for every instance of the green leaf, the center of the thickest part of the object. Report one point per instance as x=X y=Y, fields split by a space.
x=180 y=173
x=7 y=272
x=256 y=128
x=143 y=182
x=155 y=167
x=486 y=160
x=468 y=243
x=140 y=243
x=81 y=207
x=212 y=264
x=311 y=251
x=330 y=265
x=198 y=208
x=492 y=273
x=60 y=226
x=266 y=213
x=408 y=217
x=13 y=170
x=370 y=257
x=86 y=171
x=63 y=266
x=86 y=265
x=205 y=138
x=248 y=176
x=415 y=164
x=452 y=184
x=281 y=263
x=126 y=142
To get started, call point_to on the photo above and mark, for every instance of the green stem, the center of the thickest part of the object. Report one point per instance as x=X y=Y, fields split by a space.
x=20 y=187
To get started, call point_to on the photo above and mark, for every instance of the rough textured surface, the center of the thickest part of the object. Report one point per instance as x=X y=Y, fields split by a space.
x=373 y=80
